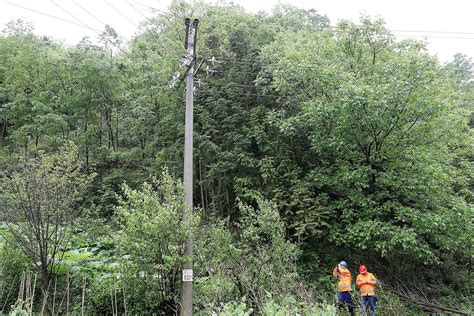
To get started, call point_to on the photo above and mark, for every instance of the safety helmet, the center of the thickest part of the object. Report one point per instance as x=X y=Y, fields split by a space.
x=362 y=269
x=343 y=263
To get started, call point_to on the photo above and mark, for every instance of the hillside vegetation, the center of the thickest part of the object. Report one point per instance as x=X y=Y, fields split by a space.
x=312 y=143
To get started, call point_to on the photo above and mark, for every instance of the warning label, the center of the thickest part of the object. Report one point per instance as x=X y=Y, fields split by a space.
x=187 y=275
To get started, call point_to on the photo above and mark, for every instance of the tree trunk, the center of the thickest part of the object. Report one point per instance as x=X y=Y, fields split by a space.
x=203 y=205
x=142 y=146
x=86 y=127
x=117 y=132
x=45 y=279
x=3 y=131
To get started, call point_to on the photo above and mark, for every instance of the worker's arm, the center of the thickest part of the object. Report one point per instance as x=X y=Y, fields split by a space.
x=335 y=272
x=359 y=282
x=373 y=281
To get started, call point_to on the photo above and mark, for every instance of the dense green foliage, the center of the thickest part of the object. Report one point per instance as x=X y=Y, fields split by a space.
x=312 y=143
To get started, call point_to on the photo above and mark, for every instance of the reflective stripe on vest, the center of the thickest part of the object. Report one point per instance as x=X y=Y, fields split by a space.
x=345 y=280
x=366 y=289
x=368 y=292
x=344 y=288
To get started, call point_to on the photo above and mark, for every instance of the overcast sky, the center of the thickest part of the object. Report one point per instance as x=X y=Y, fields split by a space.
x=447 y=25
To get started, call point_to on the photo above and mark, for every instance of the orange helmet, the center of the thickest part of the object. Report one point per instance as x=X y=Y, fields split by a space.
x=362 y=269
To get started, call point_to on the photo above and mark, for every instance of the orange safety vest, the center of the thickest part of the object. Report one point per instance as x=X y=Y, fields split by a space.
x=367 y=289
x=345 y=278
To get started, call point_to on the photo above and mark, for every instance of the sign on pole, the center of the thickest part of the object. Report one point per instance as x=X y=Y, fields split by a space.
x=187 y=275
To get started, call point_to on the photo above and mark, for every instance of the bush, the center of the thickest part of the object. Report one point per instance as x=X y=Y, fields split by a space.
x=290 y=306
x=151 y=243
x=256 y=262
x=13 y=263
x=239 y=269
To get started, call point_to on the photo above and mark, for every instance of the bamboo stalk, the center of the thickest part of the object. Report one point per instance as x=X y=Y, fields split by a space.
x=62 y=301
x=45 y=298
x=33 y=293
x=20 y=294
x=8 y=294
x=67 y=300
x=65 y=294
x=54 y=294
x=27 y=287
x=4 y=285
x=124 y=301
x=83 y=294
x=115 y=294
x=3 y=282
x=112 y=298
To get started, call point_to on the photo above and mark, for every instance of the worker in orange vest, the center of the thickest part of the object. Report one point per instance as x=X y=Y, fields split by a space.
x=366 y=282
x=344 y=297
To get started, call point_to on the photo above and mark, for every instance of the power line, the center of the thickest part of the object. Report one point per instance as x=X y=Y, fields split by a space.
x=139 y=12
x=52 y=16
x=233 y=85
x=247 y=86
x=166 y=14
x=435 y=32
x=88 y=12
x=96 y=18
x=72 y=15
x=64 y=20
x=153 y=8
x=153 y=34
x=233 y=72
x=437 y=37
x=211 y=84
x=394 y=32
x=260 y=95
x=414 y=31
x=121 y=14
x=147 y=29
x=248 y=62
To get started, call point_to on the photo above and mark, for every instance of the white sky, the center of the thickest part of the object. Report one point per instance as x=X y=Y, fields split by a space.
x=454 y=17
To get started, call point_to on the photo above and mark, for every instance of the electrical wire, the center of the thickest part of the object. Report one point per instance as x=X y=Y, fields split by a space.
x=273 y=96
x=437 y=37
x=84 y=25
x=230 y=58
x=97 y=19
x=121 y=14
x=68 y=13
x=139 y=12
x=258 y=95
x=333 y=27
x=51 y=16
x=165 y=14
x=153 y=34
x=211 y=72
x=247 y=62
x=153 y=8
x=88 y=12
x=233 y=85
x=434 y=32
x=240 y=61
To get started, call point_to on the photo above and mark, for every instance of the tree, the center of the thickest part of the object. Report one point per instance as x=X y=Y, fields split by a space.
x=463 y=69
x=381 y=125
x=152 y=243
x=39 y=205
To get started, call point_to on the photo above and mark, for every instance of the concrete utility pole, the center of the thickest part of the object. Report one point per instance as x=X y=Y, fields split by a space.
x=187 y=281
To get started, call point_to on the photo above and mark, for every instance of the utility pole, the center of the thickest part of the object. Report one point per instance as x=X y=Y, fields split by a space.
x=187 y=280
